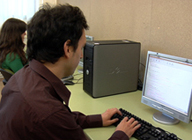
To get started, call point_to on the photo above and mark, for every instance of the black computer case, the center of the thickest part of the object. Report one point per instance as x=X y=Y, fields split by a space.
x=110 y=67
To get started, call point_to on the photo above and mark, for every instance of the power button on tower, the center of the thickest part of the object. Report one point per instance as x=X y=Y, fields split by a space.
x=87 y=72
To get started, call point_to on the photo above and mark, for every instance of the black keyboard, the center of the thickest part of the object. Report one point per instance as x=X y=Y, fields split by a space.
x=147 y=131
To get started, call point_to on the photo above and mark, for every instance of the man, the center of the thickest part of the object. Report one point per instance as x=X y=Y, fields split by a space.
x=34 y=102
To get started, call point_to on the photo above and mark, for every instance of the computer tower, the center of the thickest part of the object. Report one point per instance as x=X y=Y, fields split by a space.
x=110 y=67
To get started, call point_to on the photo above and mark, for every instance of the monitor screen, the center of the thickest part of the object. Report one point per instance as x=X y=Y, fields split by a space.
x=168 y=87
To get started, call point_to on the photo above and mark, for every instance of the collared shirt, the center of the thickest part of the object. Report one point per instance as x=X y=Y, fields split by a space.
x=32 y=108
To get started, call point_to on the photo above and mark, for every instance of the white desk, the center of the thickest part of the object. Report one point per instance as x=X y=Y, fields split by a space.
x=81 y=101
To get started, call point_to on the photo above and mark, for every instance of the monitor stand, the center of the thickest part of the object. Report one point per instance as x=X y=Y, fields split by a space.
x=164 y=118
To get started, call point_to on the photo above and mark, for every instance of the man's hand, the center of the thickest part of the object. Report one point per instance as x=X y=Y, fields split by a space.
x=128 y=126
x=106 y=116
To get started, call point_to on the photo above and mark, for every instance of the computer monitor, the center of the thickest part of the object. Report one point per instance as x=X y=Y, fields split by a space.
x=167 y=87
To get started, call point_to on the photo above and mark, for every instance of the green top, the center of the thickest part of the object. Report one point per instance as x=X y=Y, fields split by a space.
x=13 y=65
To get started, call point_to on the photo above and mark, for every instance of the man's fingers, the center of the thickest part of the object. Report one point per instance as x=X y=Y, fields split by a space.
x=125 y=119
x=119 y=112
x=114 y=120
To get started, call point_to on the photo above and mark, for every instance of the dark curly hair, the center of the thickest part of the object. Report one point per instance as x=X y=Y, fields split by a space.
x=50 y=28
x=10 y=39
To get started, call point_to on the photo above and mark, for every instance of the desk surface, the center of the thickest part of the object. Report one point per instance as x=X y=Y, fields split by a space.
x=81 y=101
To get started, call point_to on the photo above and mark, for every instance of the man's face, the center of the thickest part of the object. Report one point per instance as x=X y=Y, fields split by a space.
x=78 y=54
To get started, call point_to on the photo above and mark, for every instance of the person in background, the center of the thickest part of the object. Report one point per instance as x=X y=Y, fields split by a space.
x=12 y=55
x=34 y=104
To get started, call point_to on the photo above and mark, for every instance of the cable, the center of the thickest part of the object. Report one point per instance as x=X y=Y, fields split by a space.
x=78 y=80
x=142 y=64
x=140 y=85
x=77 y=74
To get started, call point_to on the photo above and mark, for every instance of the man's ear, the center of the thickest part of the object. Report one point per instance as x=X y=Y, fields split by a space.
x=67 y=48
